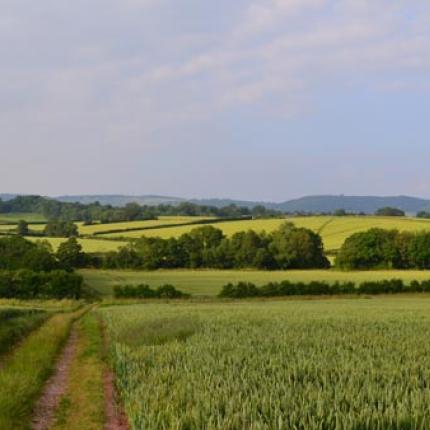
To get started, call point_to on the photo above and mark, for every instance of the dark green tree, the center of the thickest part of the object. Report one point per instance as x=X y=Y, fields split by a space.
x=70 y=255
x=22 y=228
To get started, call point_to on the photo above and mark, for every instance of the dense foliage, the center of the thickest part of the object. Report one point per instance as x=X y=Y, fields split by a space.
x=144 y=291
x=389 y=249
x=27 y=284
x=286 y=248
x=389 y=211
x=61 y=229
x=19 y=253
x=423 y=214
x=318 y=288
x=66 y=211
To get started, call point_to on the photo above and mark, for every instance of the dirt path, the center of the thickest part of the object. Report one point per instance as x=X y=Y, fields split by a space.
x=115 y=415
x=46 y=406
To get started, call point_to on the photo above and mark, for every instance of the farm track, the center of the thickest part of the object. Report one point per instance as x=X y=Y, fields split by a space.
x=46 y=406
x=115 y=415
x=324 y=225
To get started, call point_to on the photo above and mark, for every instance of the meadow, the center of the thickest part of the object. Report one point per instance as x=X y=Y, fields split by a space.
x=208 y=283
x=333 y=230
x=356 y=364
x=15 y=217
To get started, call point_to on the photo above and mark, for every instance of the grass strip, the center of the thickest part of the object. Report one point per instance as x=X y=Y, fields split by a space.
x=82 y=406
x=22 y=379
x=13 y=330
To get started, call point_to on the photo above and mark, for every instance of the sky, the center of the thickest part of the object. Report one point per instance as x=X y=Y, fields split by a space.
x=248 y=99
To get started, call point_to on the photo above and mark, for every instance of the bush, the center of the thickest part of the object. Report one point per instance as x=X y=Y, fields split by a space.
x=144 y=291
x=389 y=211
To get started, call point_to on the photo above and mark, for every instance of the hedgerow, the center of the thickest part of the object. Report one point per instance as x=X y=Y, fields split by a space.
x=27 y=284
x=287 y=288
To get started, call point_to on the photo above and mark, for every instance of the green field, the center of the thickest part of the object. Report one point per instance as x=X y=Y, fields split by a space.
x=210 y=282
x=334 y=230
x=344 y=364
x=15 y=217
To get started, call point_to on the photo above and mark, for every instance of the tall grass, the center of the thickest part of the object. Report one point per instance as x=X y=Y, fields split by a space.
x=344 y=364
x=15 y=324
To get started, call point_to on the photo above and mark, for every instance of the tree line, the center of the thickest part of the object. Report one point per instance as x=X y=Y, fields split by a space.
x=67 y=211
x=288 y=247
x=29 y=284
x=385 y=249
x=318 y=288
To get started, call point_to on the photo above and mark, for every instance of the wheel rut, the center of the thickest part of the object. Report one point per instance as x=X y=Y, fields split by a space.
x=46 y=407
x=116 y=418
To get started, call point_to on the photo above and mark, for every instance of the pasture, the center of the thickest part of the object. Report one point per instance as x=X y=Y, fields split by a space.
x=334 y=230
x=15 y=217
x=359 y=364
x=207 y=283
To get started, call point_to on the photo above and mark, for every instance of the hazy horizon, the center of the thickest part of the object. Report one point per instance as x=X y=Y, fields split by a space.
x=262 y=100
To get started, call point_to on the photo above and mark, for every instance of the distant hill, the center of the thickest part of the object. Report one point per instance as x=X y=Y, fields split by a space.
x=327 y=203
x=6 y=197
x=366 y=204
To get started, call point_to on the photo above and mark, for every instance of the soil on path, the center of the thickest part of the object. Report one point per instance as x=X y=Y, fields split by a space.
x=46 y=406
x=115 y=415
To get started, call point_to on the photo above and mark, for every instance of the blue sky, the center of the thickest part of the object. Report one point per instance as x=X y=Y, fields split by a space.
x=256 y=99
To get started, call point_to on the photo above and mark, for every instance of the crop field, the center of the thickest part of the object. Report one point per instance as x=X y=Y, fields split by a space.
x=12 y=228
x=88 y=245
x=350 y=364
x=163 y=220
x=210 y=282
x=334 y=230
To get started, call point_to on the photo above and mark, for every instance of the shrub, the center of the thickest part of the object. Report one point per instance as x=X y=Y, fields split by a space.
x=144 y=291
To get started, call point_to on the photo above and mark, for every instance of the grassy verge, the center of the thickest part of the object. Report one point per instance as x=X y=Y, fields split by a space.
x=65 y=305
x=22 y=379
x=17 y=326
x=82 y=406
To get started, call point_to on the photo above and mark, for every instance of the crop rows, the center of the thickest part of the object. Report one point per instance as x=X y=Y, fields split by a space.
x=361 y=364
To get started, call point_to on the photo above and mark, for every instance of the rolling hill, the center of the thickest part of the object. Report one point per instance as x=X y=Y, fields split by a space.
x=308 y=204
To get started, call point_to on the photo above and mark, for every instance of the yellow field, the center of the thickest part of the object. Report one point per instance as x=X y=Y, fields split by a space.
x=334 y=230
x=99 y=228
x=88 y=245
x=12 y=228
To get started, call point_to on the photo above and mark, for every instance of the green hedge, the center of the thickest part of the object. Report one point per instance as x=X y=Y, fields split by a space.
x=144 y=291
x=287 y=288
x=27 y=284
